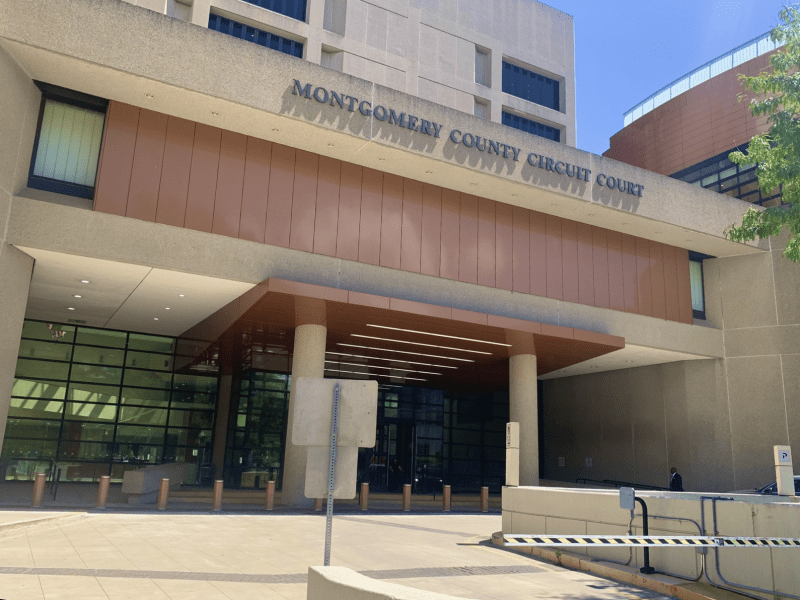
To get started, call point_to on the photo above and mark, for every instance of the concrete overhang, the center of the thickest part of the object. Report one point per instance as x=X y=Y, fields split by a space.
x=118 y=51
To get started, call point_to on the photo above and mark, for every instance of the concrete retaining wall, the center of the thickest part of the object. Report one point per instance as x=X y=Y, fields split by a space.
x=335 y=583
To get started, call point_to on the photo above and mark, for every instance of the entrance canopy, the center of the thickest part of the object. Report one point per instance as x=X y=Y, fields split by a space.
x=392 y=340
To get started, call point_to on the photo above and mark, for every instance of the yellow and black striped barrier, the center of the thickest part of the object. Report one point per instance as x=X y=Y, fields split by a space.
x=650 y=541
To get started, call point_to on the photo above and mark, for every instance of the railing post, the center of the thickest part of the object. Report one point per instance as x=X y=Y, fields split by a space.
x=102 y=491
x=406 y=497
x=484 y=499
x=363 y=501
x=269 y=503
x=38 y=490
x=163 y=494
x=318 y=504
x=446 y=498
x=218 y=485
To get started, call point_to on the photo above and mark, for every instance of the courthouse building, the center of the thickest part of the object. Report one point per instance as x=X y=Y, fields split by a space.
x=200 y=202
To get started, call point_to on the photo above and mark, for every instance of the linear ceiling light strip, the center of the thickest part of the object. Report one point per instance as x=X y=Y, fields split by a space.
x=402 y=360
x=452 y=337
x=404 y=352
x=349 y=364
x=369 y=337
x=374 y=374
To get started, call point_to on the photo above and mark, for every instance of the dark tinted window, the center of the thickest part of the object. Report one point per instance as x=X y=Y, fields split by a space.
x=523 y=124
x=296 y=9
x=530 y=86
x=257 y=36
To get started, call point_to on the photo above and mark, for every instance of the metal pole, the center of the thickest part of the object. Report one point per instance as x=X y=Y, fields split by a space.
x=163 y=494
x=38 y=490
x=318 y=504
x=218 y=494
x=446 y=498
x=332 y=473
x=363 y=501
x=269 y=502
x=102 y=491
x=484 y=499
x=406 y=497
x=647 y=569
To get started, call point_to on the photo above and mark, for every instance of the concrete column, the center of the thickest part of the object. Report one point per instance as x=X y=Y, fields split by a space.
x=16 y=268
x=524 y=409
x=308 y=361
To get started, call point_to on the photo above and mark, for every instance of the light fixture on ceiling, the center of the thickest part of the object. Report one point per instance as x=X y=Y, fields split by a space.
x=77 y=296
x=381 y=159
x=452 y=337
x=629 y=361
x=167 y=308
x=155 y=318
x=404 y=352
x=429 y=172
x=330 y=145
x=370 y=337
x=181 y=295
x=70 y=308
x=84 y=281
x=407 y=362
x=275 y=129
x=149 y=96
x=349 y=364
x=215 y=113
x=375 y=374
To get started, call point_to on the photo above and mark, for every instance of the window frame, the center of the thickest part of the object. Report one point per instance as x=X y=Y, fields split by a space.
x=699 y=258
x=72 y=98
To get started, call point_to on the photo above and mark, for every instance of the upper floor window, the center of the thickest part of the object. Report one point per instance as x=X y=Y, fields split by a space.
x=696 y=280
x=257 y=36
x=483 y=67
x=295 y=9
x=531 y=86
x=68 y=138
x=523 y=124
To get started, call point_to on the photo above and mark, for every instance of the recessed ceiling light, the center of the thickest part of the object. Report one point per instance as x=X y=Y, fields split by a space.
x=181 y=295
x=330 y=145
x=167 y=308
x=77 y=296
x=404 y=361
x=404 y=352
x=155 y=318
x=452 y=337
x=70 y=308
x=369 y=337
x=84 y=281
x=215 y=113
x=149 y=96
x=429 y=172
x=381 y=159
x=275 y=129
x=348 y=364
x=515 y=195
x=628 y=361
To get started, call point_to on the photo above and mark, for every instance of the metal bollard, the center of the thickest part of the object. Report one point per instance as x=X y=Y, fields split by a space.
x=270 y=501
x=218 y=484
x=484 y=499
x=363 y=501
x=318 y=504
x=38 y=490
x=406 y=496
x=446 y=498
x=163 y=494
x=102 y=491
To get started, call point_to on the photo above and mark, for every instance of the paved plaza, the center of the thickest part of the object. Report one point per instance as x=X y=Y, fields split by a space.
x=55 y=555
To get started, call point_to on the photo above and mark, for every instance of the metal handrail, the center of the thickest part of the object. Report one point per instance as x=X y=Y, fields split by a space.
x=638 y=486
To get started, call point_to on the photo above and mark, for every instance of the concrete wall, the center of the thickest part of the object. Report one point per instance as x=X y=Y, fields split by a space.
x=426 y=49
x=593 y=512
x=716 y=421
x=335 y=583
x=19 y=105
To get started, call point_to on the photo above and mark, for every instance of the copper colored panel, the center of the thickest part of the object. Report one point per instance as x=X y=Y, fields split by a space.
x=515 y=324
x=431 y=248
x=255 y=190
x=468 y=242
x=419 y=308
x=630 y=278
x=657 y=280
x=367 y=300
x=391 y=221
x=486 y=242
x=521 y=249
x=349 y=212
x=644 y=276
x=671 y=283
x=281 y=188
x=504 y=219
x=369 y=235
x=585 y=265
x=555 y=282
x=569 y=254
x=451 y=209
x=470 y=316
x=538 y=254
x=304 y=201
x=601 y=270
x=175 y=172
x=411 y=238
x=114 y=176
x=326 y=216
x=203 y=178
x=146 y=171
x=230 y=178
x=684 y=286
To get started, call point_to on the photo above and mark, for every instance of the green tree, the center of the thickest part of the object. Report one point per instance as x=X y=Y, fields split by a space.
x=777 y=152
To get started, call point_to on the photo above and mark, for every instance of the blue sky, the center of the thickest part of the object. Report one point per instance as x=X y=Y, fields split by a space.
x=625 y=50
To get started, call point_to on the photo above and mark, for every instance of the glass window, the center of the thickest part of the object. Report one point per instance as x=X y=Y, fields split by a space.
x=32 y=429
x=142 y=415
x=151 y=343
x=483 y=67
x=295 y=9
x=696 y=275
x=91 y=412
x=48 y=331
x=192 y=400
x=96 y=374
x=152 y=436
x=257 y=36
x=530 y=86
x=35 y=409
x=148 y=360
x=190 y=418
x=29 y=448
x=195 y=383
x=152 y=379
x=189 y=437
x=481 y=109
x=85 y=451
x=533 y=127
x=88 y=392
x=145 y=397
x=30 y=388
x=41 y=369
x=45 y=350
x=101 y=337
x=98 y=356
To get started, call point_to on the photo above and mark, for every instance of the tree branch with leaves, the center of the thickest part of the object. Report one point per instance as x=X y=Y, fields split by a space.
x=776 y=152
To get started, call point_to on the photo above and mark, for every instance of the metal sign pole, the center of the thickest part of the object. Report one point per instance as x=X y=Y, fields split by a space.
x=332 y=474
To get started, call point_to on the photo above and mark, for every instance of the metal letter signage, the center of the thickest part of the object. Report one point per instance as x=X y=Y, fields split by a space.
x=467 y=139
